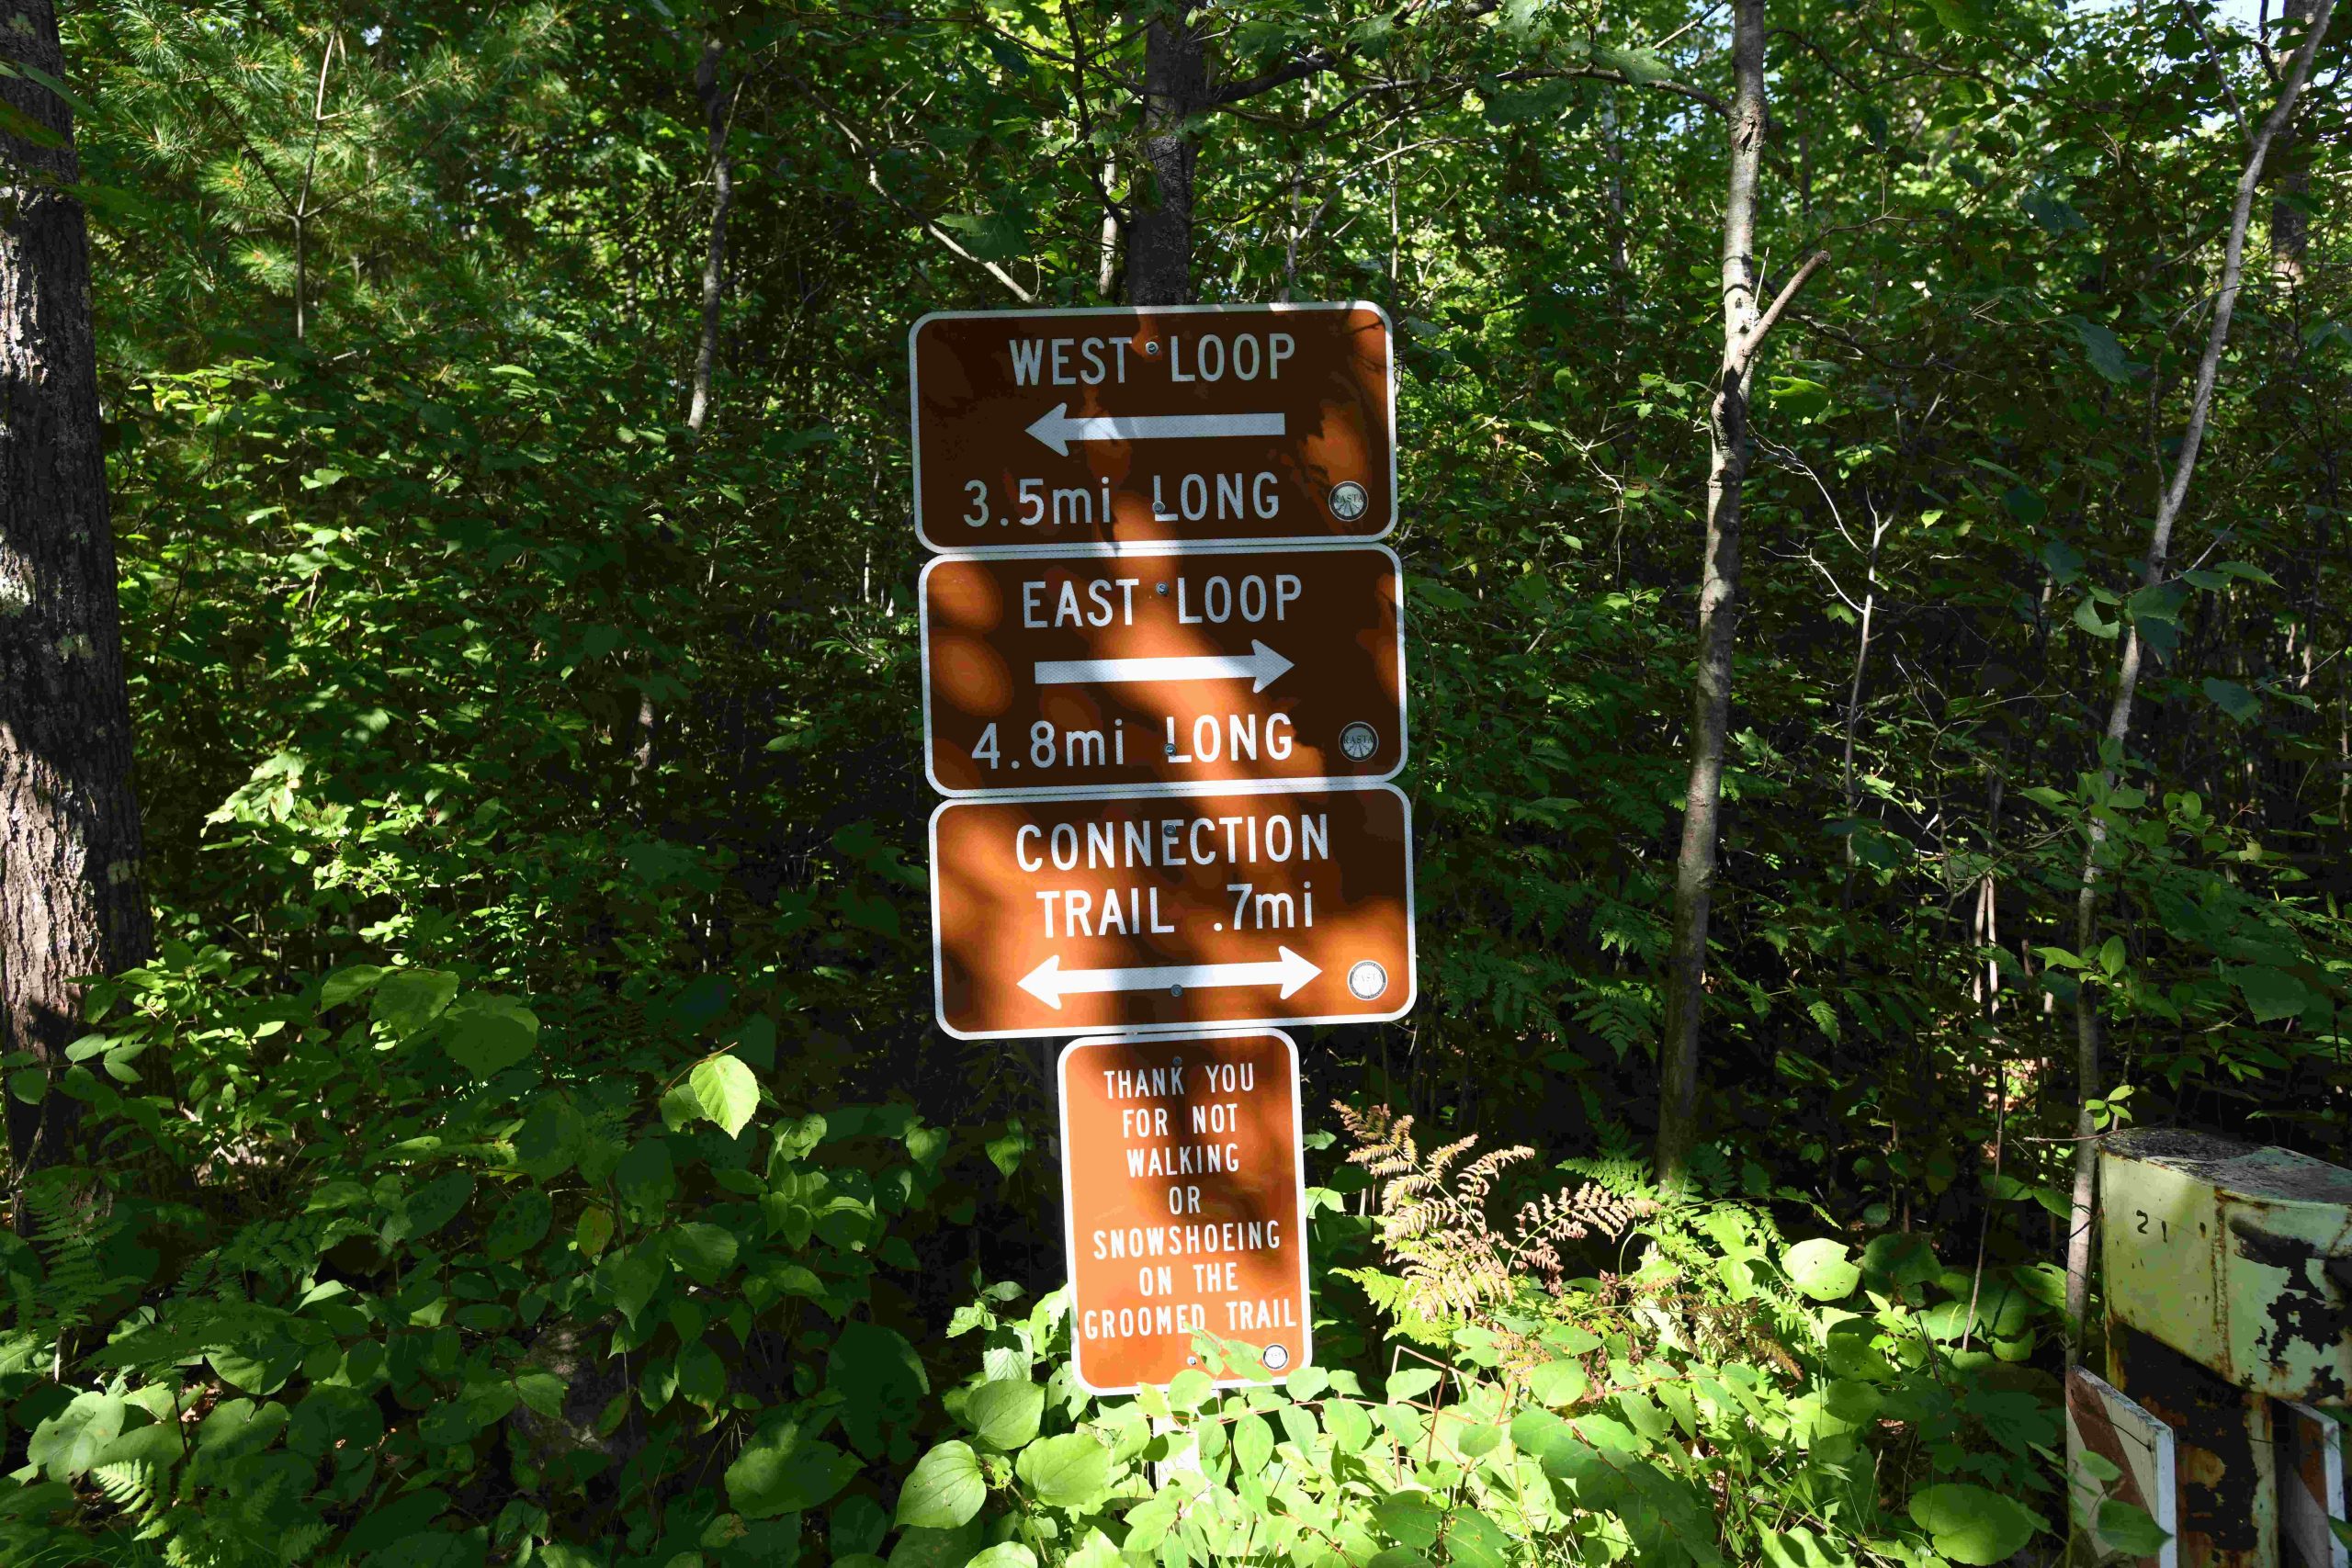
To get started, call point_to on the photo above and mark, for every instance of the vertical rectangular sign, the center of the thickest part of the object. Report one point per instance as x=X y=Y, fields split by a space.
x=1184 y=1202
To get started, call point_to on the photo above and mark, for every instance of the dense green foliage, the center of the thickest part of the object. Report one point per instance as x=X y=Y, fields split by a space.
x=529 y=1143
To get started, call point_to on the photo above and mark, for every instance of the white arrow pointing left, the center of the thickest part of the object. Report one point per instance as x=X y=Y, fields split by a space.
x=1262 y=667
x=1049 y=982
x=1057 y=429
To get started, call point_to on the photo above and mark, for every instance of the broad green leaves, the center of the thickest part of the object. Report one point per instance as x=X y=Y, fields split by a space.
x=1068 y=1472
x=1972 y=1525
x=1004 y=1411
x=489 y=1034
x=726 y=1091
x=945 y=1490
x=1819 y=1269
x=780 y=1471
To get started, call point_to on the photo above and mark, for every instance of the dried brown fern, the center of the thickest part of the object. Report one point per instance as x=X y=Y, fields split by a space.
x=1432 y=1217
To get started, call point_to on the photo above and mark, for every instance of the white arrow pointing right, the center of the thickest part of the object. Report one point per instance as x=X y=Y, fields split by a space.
x=1057 y=429
x=1049 y=982
x=1262 y=667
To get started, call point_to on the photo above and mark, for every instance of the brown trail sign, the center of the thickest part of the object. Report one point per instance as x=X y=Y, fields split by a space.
x=1183 y=1205
x=1188 y=423
x=1161 y=909
x=1102 y=670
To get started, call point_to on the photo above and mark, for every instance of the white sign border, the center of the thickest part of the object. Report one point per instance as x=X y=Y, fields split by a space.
x=1248 y=1025
x=1298 y=1169
x=914 y=414
x=1155 y=550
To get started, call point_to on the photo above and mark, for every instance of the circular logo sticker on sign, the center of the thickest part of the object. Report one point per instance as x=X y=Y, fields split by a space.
x=1367 y=981
x=1348 y=501
x=1359 y=740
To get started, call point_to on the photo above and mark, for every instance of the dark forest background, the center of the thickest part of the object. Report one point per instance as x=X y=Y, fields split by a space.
x=505 y=423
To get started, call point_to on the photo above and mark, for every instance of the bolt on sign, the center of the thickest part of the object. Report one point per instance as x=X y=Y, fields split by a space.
x=1102 y=670
x=1164 y=908
x=1186 y=424
x=1184 y=1204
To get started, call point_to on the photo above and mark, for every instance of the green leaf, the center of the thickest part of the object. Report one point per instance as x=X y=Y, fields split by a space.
x=1190 y=1389
x=2112 y=955
x=2105 y=352
x=1851 y=1401
x=68 y=1443
x=1350 y=1426
x=1069 y=1472
x=728 y=1091
x=1557 y=1383
x=520 y=1225
x=1005 y=1412
x=542 y=1391
x=16 y=122
x=549 y=1138
x=1253 y=1444
x=407 y=999
x=348 y=982
x=1474 y=1540
x=1411 y=1383
x=779 y=1473
x=1819 y=1269
x=2087 y=617
x=2123 y=1528
x=2232 y=699
x=2271 y=993
x=1795 y=396
x=431 y=1206
x=1005 y=1554
x=704 y=1251
x=29 y=1085
x=945 y=1490
x=1972 y=1525
x=646 y=1177
x=1640 y=67
x=1797 y=1547
x=491 y=1035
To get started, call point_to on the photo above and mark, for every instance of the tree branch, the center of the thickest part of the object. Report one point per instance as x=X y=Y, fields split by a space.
x=921 y=219
x=1743 y=354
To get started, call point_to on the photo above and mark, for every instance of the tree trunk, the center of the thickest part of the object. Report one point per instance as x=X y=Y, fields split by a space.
x=2290 y=229
x=1107 y=278
x=1159 y=235
x=718 y=110
x=1695 y=871
x=2089 y=1084
x=718 y=113
x=72 y=901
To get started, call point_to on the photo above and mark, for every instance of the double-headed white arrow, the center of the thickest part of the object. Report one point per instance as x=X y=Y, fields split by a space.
x=1262 y=667
x=1049 y=982
x=1057 y=429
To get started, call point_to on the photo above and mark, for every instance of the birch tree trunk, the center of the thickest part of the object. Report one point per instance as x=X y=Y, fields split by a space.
x=1159 y=235
x=1743 y=331
x=718 y=110
x=718 y=113
x=2289 y=228
x=1694 y=867
x=72 y=900
x=2089 y=1084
